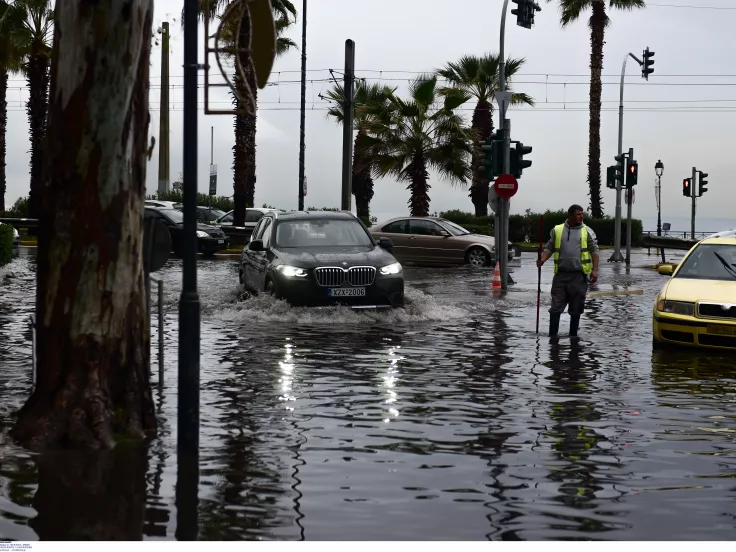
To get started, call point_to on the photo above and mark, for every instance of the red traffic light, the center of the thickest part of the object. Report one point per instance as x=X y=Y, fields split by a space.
x=632 y=169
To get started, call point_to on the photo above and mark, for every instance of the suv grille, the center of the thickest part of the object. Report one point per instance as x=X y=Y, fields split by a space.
x=336 y=276
x=714 y=310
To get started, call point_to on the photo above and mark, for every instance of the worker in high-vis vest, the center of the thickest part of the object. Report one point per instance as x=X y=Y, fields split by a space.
x=574 y=247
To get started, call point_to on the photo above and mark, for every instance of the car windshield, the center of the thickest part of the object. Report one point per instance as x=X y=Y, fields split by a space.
x=177 y=217
x=710 y=261
x=455 y=229
x=211 y=214
x=321 y=233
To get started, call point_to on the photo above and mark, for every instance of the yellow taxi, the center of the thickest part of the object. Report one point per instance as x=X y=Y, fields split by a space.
x=697 y=305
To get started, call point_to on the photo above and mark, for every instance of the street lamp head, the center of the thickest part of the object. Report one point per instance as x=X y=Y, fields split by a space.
x=659 y=168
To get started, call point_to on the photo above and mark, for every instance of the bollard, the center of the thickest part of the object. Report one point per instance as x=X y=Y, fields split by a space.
x=160 y=332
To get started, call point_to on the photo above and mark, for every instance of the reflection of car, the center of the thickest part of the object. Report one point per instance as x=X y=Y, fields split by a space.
x=437 y=241
x=321 y=258
x=16 y=240
x=210 y=240
x=206 y=215
x=697 y=305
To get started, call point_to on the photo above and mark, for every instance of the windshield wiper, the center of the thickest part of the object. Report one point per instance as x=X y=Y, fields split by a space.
x=725 y=264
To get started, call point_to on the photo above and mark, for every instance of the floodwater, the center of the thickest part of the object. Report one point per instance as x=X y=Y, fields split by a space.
x=448 y=420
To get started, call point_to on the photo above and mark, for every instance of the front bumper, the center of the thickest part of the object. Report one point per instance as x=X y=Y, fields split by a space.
x=208 y=246
x=689 y=331
x=384 y=292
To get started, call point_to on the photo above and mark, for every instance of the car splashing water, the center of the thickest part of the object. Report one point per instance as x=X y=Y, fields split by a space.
x=449 y=419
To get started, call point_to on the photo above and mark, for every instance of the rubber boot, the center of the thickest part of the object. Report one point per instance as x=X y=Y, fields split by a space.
x=574 y=325
x=554 y=323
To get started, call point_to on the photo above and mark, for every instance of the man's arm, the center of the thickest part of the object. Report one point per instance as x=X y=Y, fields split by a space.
x=547 y=253
x=594 y=252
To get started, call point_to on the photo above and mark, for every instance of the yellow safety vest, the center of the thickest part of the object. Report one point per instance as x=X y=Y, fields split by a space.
x=586 y=259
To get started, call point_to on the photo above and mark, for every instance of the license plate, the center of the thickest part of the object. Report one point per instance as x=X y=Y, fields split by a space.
x=346 y=292
x=721 y=330
x=220 y=241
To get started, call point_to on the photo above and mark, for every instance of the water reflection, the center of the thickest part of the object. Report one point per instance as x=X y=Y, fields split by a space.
x=91 y=495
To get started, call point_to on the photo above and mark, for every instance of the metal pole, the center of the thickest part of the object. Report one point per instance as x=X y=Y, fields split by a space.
x=629 y=198
x=303 y=105
x=503 y=204
x=616 y=257
x=347 y=127
x=160 y=332
x=693 y=193
x=187 y=438
x=212 y=162
x=659 y=205
x=163 y=138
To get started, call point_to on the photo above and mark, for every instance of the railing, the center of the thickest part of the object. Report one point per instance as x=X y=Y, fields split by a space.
x=678 y=234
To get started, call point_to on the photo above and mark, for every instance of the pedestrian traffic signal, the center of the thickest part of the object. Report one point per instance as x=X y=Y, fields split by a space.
x=686 y=187
x=702 y=182
x=492 y=158
x=632 y=173
x=611 y=177
x=525 y=12
x=517 y=161
x=647 y=65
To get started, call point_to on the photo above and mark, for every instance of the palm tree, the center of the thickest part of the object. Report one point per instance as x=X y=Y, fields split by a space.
x=479 y=78
x=408 y=137
x=571 y=11
x=363 y=161
x=10 y=62
x=244 y=149
x=32 y=34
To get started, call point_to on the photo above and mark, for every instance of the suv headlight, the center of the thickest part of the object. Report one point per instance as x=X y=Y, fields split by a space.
x=292 y=271
x=676 y=307
x=393 y=268
x=202 y=234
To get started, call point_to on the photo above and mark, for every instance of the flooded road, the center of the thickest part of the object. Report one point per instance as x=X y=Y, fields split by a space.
x=450 y=419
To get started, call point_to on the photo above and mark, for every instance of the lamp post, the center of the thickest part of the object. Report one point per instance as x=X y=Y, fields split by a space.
x=659 y=169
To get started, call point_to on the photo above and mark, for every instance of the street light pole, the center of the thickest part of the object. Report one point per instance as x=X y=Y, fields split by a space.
x=659 y=170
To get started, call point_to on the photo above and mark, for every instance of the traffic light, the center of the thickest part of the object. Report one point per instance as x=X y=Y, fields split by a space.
x=632 y=173
x=647 y=65
x=525 y=12
x=517 y=161
x=611 y=177
x=492 y=160
x=702 y=182
x=686 y=187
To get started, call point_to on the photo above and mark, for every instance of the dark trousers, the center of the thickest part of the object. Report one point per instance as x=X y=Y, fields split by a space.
x=569 y=290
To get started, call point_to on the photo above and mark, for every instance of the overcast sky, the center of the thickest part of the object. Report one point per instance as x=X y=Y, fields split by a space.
x=685 y=115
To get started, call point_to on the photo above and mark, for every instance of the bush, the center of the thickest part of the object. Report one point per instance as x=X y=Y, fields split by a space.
x=18 y=210
x=6 y=244
x=525 y=228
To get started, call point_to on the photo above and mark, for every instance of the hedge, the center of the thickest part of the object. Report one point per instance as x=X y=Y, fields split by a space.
x=525 y=228
x=223 y=203
x=6 y=244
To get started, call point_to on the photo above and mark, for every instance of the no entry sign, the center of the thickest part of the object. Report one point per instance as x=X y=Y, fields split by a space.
x=505 y=186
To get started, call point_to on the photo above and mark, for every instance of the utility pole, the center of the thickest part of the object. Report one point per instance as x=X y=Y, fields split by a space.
x=163 y=138
x=629 y=198
x=347 y=126
x=693 y=193
x=303 y=106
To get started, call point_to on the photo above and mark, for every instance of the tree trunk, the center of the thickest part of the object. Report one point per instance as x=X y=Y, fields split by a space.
x=91 y=319
x=244 y=149
x=483 y=126
x=99 y=496
x=362 y=179
x=3 y=135
x=419 y=187
x=598 y=23
x=37 y=108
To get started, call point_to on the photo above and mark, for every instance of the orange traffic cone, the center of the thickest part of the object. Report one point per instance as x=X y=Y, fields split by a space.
x=496 y=285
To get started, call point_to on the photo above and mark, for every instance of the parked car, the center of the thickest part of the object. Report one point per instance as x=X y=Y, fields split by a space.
x=164 y=204
x=321 y=258
x=432 y=240
x=697 y=305
x=210 y=240
x=252 y=216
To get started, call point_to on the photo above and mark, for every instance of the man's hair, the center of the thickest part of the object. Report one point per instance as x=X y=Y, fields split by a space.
x=574 y=208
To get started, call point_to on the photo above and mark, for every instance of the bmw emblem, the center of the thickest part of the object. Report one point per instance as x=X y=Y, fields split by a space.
x=346 y=264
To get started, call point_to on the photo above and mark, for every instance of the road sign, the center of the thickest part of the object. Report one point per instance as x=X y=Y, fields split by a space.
x=506 y=186
x=492 y=198
x=213 y=180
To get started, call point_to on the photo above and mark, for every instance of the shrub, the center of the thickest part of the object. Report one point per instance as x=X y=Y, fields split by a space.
x=19 y=208
x=525 y=227
x=6 y=244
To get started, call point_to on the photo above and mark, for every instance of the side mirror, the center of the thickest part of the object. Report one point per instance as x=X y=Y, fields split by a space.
x=386 y=244
x=444 y=233
x=256 y=245
x=666 y=270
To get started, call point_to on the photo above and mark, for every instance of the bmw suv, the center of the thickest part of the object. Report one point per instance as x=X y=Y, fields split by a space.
x=321 y=258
